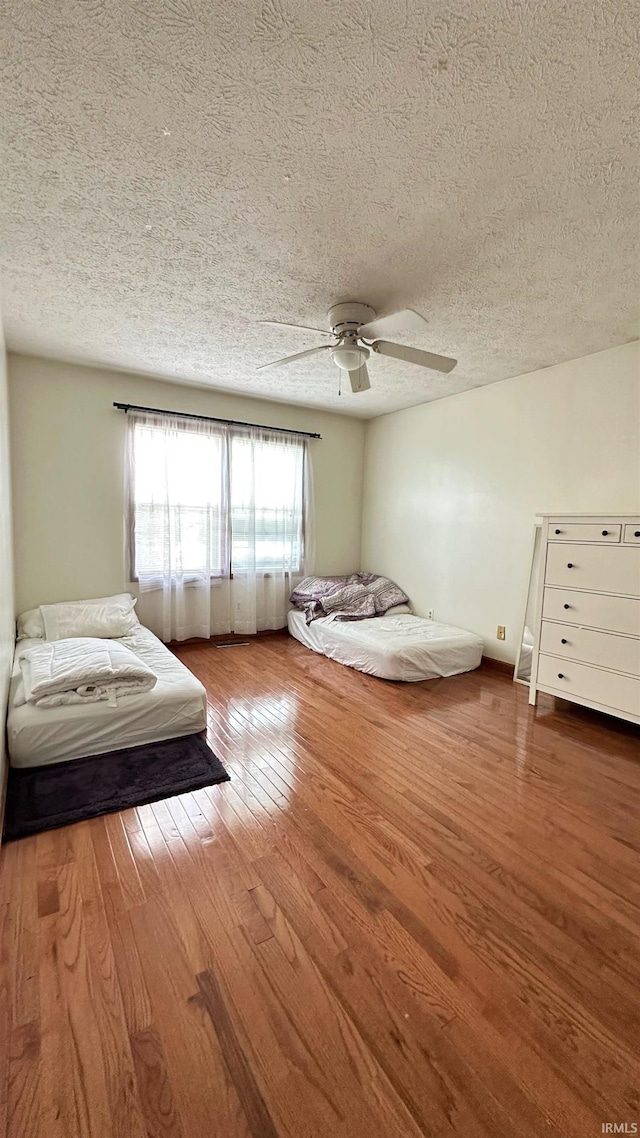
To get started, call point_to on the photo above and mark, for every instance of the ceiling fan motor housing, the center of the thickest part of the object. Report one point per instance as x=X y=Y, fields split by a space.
x=349 y=317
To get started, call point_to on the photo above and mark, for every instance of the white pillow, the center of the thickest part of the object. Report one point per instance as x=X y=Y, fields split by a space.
x=30 y=625
x=105 y=617
x=397 y=610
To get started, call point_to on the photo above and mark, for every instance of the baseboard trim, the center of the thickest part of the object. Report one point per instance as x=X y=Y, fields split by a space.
x=226 y=638
x=488 y=662
x=3 y=788
x=498 y=665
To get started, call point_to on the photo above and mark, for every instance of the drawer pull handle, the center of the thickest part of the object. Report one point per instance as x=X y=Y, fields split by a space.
x=566 y=606
x=637 y=533
x=570 y=565
x=563 y=641
x=558 y=531
x=560 y=675
x=605 y=533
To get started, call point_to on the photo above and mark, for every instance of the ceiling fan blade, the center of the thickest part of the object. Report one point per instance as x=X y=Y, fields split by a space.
x=359 y=379
x=406 y=320
x=298 y=327
x=298 y=356
x=414 y=356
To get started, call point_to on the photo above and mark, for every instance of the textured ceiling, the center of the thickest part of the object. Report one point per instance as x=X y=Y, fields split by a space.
x=175 y=171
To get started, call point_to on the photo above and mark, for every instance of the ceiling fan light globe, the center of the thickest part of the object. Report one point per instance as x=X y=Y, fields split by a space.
x=349 y=358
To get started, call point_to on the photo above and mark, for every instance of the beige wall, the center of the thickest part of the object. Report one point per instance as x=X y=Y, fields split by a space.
x=7 y=628
x=67 y=449
x=452 y=488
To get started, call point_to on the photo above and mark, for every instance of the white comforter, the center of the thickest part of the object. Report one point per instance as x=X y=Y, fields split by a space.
x=398 y=647
x=81 y=670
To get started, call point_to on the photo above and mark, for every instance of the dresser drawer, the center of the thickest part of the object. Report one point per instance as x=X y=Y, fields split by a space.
x=595 y=610
x=584 y=531
x=632 y=533
x=580 y=681
x=604 y=649
x=607 y=569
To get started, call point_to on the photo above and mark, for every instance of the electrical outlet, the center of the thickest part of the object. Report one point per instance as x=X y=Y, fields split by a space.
x=429 y=614
x=501 y=632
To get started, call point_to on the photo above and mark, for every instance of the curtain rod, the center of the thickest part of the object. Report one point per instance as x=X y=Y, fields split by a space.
x=210 y=419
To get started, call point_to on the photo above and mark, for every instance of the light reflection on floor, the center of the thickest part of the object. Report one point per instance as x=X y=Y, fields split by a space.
x=245 y=721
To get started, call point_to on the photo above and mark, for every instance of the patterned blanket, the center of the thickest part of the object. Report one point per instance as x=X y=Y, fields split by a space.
x=356 y=596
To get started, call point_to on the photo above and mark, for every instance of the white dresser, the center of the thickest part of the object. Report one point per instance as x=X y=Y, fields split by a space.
x=587 y=643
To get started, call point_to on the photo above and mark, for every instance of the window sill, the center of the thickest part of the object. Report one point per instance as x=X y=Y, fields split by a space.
x=188 y=580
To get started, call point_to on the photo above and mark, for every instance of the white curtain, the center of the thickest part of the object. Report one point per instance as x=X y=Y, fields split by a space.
x=220 y=524
x=177 y=476
x=270 y=533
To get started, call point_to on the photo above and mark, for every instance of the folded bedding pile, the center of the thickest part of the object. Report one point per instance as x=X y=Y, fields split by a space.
x=81 y=670
x=354 y=596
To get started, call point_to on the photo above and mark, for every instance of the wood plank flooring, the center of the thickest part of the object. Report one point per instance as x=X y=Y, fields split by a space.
x=415 y=910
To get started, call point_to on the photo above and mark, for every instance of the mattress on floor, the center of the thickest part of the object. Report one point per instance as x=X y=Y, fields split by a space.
x=175 y=706
x=398 y=647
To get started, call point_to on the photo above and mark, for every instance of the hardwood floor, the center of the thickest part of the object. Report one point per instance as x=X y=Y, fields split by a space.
x=413 y=911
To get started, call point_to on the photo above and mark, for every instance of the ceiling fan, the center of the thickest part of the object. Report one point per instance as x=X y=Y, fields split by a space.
x=356 y=333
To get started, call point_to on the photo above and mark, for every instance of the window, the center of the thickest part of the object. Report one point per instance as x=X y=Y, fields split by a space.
x=179 y=502
x=267 y=490
x=210 y=500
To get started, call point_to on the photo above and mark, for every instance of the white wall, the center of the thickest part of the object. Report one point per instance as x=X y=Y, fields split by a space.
x=7 y=628
x=452 y=487
x=67 y=448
